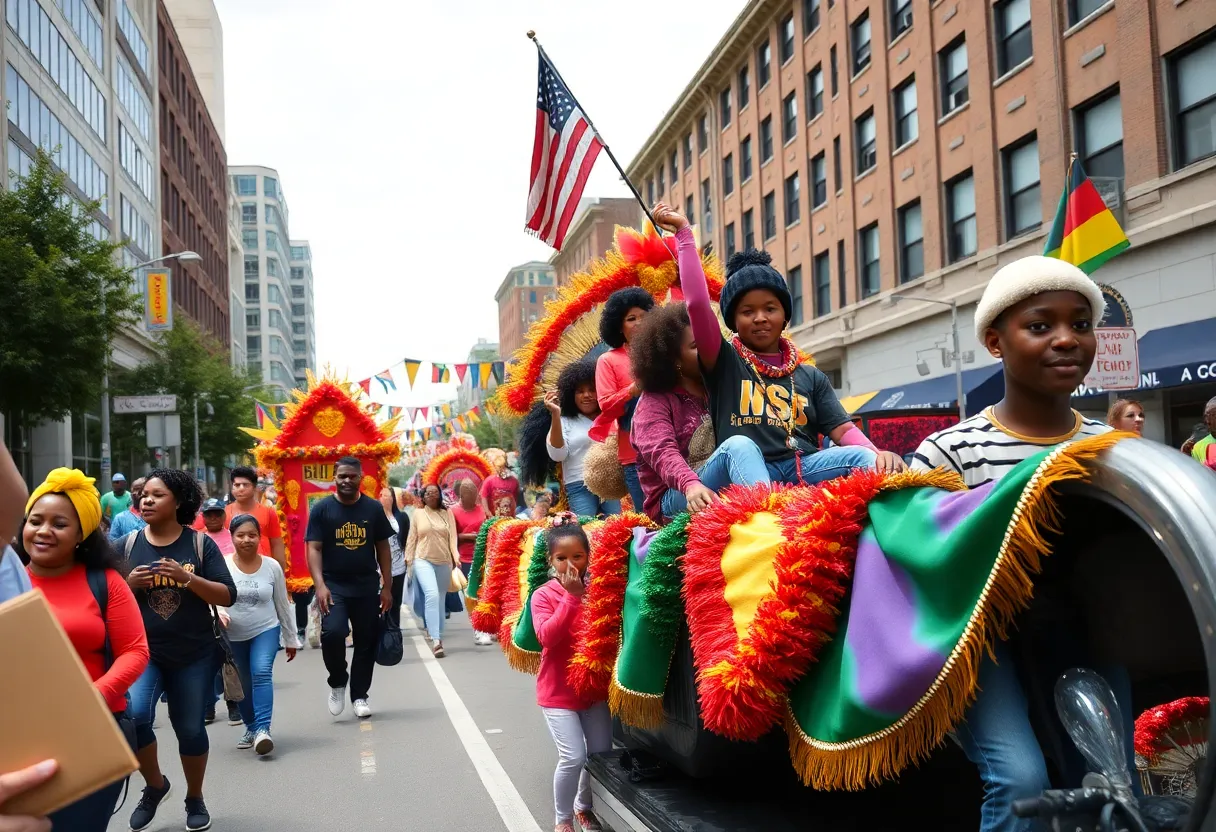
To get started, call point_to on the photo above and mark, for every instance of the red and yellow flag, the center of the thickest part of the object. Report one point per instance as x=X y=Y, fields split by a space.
x=1085 y=232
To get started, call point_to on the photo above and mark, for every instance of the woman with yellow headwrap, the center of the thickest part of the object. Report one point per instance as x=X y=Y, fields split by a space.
x=78 y=571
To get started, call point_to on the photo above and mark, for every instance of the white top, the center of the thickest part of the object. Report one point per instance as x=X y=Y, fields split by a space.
x=574 y=450
x=394 y=546
x=261 y=603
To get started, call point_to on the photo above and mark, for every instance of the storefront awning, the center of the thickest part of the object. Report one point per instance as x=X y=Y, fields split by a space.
x=852 y=403
x=1174 y=356
x=983 y=386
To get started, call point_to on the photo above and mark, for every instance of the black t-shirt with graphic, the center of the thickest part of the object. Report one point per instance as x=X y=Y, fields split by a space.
x=743 y=403
x=177 y=621
x=348 y=535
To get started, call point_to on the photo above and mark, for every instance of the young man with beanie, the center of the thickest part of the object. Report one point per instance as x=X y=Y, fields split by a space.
x=758 y=387
x=1037 y=316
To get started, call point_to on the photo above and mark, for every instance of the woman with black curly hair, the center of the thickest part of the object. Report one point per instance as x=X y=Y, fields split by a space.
x=614 y=385
x=572 y=407
x=177 y=574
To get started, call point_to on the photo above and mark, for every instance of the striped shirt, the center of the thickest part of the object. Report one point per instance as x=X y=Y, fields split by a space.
x=981 y=449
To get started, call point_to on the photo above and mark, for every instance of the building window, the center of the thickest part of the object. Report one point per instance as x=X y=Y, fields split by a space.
x=860 y=39
x=703 y=133
x=297 y=293
x=810 y=16
x=822 y=268
x=786 y=44
x=866 y=137
x=251 y=266
x=789 y=118
x=793 y=200
x=1013 y=44
x=794 y=280
x=836 y=166
x=249 y=238
x=745 y=88
x=724 y=108
x=911 y=243
x=745 y=159
x=906 y=122
x=690 y=210
x=252 y=291
x=728 y=175
x=688 y=150
x=869 y=274
x=766 y=140
x=249 y=214
x=1078 y=10
x=1192 y=78
x=270 y=187
x=749 y=230
x=650 y=191
x=764 y=63
x=675 y=167
x=842 y=271
x=730 y=239
x=272 y=267
x=247 y=186
x=662 y=182
x=960 y=217
x=1100 y=137
x=253 y=320
x=706 y=206
x=901 y=17
x=953 y=66
x=814 y=92
x=819 y=180
x=1023 y=207
x=832 y=64
x=532 y=296
x=297 y=272
x=769 y=205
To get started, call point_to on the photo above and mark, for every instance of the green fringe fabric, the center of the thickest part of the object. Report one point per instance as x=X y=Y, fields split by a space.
x=478 y=569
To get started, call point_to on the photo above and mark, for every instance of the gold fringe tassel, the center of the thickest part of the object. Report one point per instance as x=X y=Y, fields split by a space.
x=860 y=763
x=639 y=710
x=525 y=661
x=470 y=603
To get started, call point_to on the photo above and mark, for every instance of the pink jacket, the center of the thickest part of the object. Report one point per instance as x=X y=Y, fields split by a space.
x=554 y=612
x=663 y=426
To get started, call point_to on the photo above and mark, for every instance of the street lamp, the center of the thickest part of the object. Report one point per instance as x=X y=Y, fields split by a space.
x=106 y=463
x=958 y=356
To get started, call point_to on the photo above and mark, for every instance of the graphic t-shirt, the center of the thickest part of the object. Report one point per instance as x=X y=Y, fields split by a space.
x=261 y=603
x=743 y=403
x=468 y=521
x=496 y=487
x=112 y=505
x=348 y=535
x=177 y=621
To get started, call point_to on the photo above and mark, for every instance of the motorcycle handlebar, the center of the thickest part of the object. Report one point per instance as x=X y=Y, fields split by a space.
x=1056 y=802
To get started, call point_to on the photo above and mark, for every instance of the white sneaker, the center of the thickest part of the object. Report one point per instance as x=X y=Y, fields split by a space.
x=263 y=744
x=362 y=709
x=482 y=639
x=337 y=700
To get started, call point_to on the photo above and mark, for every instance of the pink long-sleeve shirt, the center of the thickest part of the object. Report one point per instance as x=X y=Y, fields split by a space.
x=613 y=388
x=554 y=612
x=663 y=425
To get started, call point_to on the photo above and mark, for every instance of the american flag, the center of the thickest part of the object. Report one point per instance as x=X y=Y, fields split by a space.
x=563 y=154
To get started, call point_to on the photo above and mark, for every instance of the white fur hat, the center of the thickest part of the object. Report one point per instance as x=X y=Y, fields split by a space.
x=1029 y=276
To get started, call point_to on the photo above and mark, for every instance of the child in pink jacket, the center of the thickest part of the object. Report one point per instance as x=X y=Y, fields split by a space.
x=579 y=727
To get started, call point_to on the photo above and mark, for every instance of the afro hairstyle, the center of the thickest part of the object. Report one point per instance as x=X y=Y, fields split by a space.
x=654 y=351
x=616 y=308
x=574 y=376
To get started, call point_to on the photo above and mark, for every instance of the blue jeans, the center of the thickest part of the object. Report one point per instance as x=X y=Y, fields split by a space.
x=189 y=692
x=434 y=581
x=585 y=504
x=255 y=663
x=822 y=466
x=91 y=813
x=737 y=461
x=634 y=485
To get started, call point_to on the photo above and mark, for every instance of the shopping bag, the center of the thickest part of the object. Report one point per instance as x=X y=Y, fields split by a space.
x=391 y=648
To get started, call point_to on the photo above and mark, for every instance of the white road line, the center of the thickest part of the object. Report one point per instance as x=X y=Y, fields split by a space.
x=493 y=776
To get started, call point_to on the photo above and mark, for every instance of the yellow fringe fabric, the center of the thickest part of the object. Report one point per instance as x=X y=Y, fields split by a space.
x=640 y=710
x=525 y=661
x=867 y=761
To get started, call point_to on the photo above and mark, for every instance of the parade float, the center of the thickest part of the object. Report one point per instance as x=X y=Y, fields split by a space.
x=460 y=460
x=322 y=425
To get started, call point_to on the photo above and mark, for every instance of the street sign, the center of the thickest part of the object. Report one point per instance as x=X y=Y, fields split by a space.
x=144 y=404
x=1117 y=362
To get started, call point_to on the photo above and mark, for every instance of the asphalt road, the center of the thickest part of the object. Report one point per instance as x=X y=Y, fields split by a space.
x=419 y=763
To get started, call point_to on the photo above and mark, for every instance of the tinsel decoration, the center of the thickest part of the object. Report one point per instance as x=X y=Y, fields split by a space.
x=503 y=548
x=478 y=569
x=1172 y=744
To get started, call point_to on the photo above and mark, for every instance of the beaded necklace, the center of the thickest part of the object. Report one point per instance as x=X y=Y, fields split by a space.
x=763 y=370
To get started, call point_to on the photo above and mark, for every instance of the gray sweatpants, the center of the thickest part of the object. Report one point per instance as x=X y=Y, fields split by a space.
x=576 y=734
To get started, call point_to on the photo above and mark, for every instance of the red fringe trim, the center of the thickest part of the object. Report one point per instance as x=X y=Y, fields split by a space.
x=456 y=457
x=503 y=541
x=505 y=576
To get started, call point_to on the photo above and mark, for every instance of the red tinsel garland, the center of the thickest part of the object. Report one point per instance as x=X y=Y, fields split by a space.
x=1155 y=724
x=503 y=542
x=504 y=577
x=597 y=631
x=326 y=393
x=456 y=457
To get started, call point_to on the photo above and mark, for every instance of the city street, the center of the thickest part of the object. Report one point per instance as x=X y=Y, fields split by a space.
x=432 y=756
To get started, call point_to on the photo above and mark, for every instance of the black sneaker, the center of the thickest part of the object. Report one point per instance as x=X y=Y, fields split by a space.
x=142 y=817
x=197 y=816
x=209 y=716
x=234 y=714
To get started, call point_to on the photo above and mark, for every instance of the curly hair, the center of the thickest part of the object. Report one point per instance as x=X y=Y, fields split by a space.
x=184 y=487
x=617 y=307
x=574 y=376
x=654 y=351
x=556 y=533
x=535 y=467
x=94 y=552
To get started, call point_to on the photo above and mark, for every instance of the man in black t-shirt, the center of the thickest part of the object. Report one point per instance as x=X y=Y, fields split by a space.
x=350 y=562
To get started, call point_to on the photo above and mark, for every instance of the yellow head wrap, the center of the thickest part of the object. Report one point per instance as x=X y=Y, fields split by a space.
x=78 y=488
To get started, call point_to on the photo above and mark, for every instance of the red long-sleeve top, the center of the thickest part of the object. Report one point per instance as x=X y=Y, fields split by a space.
x=73 y=604
x=614 y=389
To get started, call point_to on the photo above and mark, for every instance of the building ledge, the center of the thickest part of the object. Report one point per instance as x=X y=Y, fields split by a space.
x=1089 y=18
x=1017 y=70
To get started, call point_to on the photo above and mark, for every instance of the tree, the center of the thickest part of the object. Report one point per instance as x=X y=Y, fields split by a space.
x=65 y=298
x=495 y=431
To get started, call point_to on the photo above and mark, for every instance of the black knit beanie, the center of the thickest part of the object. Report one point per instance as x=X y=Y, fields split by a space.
x=747 y=270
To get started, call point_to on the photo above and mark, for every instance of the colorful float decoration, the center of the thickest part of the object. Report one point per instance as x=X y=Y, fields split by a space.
x=455 y=464
x=1172 y=744
x=322 y=425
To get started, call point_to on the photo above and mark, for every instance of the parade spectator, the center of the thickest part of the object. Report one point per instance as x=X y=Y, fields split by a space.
x=177 y=574
x=572 y=410
x=432 y=550
x=1202 y=451
x=502 y=483
x=117 y=500
x=131 y=520
x=614 y=385
x=247 y=499
x=13 y=495
x=578 y=727
x=256 y=622
x=400 y=522
x=674 y=405
x=215 y=524
x=72 y=562
x=1128 y=415
x=469 y=517
x=350 y=560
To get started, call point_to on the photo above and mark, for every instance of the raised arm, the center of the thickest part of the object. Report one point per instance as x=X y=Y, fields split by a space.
x=692 y=283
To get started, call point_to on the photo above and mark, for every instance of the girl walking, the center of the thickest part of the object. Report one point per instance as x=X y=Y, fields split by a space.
x=400 y=521
x=578 y=727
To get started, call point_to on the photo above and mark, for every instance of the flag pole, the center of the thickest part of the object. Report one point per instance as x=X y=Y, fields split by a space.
x=636 y=194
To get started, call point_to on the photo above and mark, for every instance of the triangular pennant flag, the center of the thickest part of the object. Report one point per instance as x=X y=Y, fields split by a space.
x=484 y=373
x=394 y=412
x=498 y=369
x=411 y=370
x=260 y=414
x=447 y=411
x=473 y=417
x=366 y=386
x=440 y=374
x=426 y=413
x=386 y=381
x=413 y=414
x=461 y=371
x=459 y=420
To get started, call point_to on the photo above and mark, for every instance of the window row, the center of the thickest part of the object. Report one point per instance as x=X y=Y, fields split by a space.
x=135 y=38
x=36 y=30
x=82 y=17
x=135 y=228
x=135 y=164
x=132 y=97
x=22 y=163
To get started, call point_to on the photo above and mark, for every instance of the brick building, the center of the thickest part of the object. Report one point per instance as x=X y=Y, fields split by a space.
x=880 y=145
x=521 y=300
x=591 y=233
x=193 y=187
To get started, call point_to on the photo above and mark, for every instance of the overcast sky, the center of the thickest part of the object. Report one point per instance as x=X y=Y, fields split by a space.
x=402 y=133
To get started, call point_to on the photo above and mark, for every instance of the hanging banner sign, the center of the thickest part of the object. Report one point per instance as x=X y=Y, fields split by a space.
x=158 y=300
